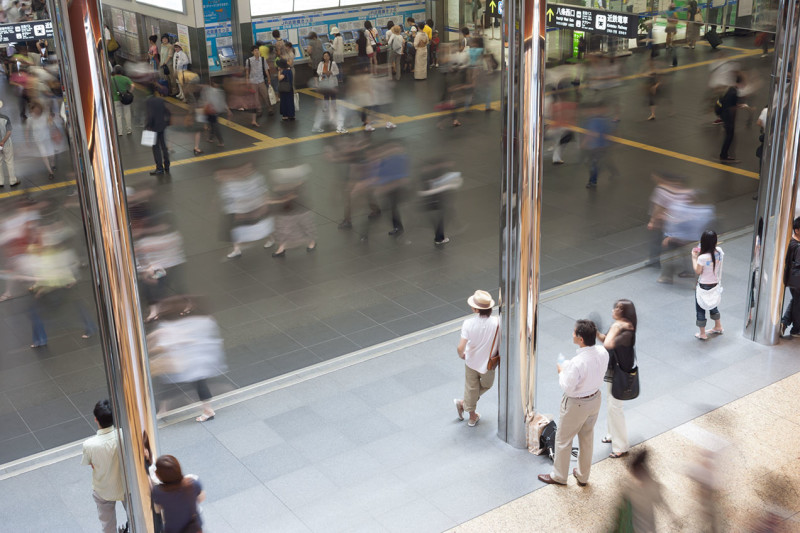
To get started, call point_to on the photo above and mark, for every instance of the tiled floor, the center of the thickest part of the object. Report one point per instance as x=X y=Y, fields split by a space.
x=280 y=315
x=375 y=446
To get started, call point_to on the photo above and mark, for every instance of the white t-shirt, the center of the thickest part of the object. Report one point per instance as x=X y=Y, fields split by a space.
x=479 y=332
x=711 y=272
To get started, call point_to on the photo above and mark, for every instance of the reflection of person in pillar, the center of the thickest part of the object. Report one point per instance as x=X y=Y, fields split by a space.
x=101 y=452
x=791 y=277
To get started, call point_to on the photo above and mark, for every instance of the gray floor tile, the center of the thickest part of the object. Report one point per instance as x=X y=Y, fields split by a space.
x=334 y=348
x=12 y=425
x=371 y=336
x=16 y=447
x=301 y=487
x=407 y=325
x=249 y=438
x=255 y=509
x=64 y=433
x=296 y=422
x=382 y=391
x=48 y=414
x=418 y=515
x=295 y=360
x=274 y=462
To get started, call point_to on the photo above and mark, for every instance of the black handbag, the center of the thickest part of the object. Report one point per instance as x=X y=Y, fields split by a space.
x=125 y=97
x=284 y=86
x=625 y=385
x=165 y=69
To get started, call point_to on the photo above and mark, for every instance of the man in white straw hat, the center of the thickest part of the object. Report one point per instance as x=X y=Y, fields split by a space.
x=480 y=338
x=6 y=151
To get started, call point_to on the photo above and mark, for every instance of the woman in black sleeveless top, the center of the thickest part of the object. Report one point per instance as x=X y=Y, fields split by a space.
x=619 y=341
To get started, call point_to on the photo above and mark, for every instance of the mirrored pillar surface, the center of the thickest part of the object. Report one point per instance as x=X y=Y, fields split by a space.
x=85 y=76
x=778 y=185
x=523 y=98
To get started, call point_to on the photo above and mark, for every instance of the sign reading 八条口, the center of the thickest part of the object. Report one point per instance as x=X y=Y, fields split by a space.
x=26 y=31
x=597 y=21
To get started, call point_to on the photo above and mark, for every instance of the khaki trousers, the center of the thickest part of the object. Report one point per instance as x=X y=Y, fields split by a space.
x=578 y=417
x=475 y=384
x=617 y=430
x=263 y=97
x=107 y=513
x=7 y=157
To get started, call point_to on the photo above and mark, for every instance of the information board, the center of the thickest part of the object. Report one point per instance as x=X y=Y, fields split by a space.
x=296 y=25
x=217 y=17
x=596 y=21
x=26 y=31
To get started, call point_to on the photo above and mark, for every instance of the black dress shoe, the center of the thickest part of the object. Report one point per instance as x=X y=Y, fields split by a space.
x=15 y=184
x=396 y=232
x=156 y=172
x=166 y=169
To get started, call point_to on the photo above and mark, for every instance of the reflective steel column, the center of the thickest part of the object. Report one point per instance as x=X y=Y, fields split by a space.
x=85 y=77
x=778 y=186
x=523 y=100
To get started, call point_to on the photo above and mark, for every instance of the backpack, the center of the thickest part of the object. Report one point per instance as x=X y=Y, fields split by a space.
x=547 y=441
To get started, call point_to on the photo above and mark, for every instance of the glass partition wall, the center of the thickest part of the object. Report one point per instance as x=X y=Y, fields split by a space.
x=268 y=240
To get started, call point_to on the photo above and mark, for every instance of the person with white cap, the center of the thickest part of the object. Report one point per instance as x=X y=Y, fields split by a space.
x=338 y=48
x=180 y=63
x=480 y=338
x=6 y=151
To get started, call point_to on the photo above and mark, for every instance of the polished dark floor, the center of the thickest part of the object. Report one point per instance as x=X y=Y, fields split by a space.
x=278 y=315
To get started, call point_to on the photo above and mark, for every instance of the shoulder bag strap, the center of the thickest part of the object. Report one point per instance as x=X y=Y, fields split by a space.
x=491 y=351
x=116 y=87
x=264 y=69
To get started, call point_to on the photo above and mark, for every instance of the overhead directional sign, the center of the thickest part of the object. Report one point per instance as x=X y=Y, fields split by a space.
x=597 y=21
x=494 y=8
x=26 y=31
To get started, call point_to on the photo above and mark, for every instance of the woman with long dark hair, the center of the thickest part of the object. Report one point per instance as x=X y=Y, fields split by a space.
x=177 y=497
x=619 y=341
x=707 y=264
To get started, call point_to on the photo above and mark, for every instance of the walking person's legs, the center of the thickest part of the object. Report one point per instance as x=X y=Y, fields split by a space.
x=204 y=393
x=118 y=107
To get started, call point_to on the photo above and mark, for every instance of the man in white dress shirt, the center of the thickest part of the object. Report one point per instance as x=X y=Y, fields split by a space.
x=580 y=378
x=101 y=452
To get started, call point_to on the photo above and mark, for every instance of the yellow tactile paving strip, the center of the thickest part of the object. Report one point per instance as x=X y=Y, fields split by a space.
x=758 y=458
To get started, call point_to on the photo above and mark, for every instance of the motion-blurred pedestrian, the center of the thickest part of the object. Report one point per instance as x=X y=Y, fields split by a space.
x=294 y=222
x=157 y=119
x=186 y=347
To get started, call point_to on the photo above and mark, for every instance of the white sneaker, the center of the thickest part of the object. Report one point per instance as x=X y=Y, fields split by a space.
x=269 y=243
x=369 y=127
x=341 y=130
x=234 y=254
x=390 y=125
x=317 y=130
x=443 y=241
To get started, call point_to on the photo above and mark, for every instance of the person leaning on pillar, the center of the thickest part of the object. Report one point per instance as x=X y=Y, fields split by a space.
x=580 y=378
x=791 y=278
